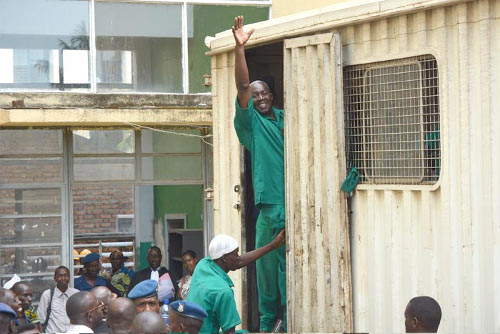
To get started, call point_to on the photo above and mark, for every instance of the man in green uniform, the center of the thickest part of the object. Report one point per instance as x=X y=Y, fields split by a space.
x=259 y=127
x=211 y=287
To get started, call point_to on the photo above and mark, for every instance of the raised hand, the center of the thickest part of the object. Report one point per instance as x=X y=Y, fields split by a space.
x=240 y=36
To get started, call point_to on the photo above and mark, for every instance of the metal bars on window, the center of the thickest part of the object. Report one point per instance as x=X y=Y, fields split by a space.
x=392 y=121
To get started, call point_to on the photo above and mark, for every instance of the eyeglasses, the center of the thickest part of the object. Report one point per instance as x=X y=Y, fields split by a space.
x=101 y=304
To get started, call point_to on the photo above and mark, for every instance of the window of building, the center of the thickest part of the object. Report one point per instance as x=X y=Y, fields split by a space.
x=32 y=212
x=392 y=121
x=127 y=46
x=98 y=190
x=207 y=20
x=44 y=44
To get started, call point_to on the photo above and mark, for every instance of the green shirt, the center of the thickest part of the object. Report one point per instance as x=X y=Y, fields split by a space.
x=211 y=288
x=263 y=137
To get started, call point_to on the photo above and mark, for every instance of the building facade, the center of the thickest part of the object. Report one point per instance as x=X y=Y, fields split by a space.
x=106 y=130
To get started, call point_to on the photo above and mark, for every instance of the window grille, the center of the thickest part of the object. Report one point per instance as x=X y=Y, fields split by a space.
x=392 y=121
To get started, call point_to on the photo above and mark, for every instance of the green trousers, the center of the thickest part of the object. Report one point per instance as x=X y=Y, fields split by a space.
x=271 y=268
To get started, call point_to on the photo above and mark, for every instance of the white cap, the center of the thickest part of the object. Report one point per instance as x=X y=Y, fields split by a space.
x=221 y=245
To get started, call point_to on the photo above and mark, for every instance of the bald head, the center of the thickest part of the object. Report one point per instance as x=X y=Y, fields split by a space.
x=121 y=313
x=103 y=294
x=148 y=322
x=83 y=308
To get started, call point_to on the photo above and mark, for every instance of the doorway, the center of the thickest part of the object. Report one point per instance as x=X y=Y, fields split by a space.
x=264 y=63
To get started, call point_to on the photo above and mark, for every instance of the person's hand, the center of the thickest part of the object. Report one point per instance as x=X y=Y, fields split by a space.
x=280 y=239
x=106 y=275
x=240 y=36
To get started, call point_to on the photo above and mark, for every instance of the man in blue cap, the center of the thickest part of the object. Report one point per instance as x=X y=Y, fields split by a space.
x=90 y=279
x=145 y=296
x=186 y=317
x=6 y=317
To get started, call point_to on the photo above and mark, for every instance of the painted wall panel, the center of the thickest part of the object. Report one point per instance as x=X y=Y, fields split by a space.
x=440 y=242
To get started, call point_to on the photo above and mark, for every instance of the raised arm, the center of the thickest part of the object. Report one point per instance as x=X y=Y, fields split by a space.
x=241 y=69
x=247 y=258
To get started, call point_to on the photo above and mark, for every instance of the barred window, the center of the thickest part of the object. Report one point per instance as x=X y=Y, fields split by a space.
x=392 y=121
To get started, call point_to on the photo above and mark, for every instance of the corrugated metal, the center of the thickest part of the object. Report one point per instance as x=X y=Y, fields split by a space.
x=318 y=261
x=442 y=241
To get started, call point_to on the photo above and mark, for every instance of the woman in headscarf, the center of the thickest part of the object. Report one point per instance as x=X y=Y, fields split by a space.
x=118 y=274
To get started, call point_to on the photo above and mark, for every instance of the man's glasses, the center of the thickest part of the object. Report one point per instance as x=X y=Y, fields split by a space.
x=101 y=304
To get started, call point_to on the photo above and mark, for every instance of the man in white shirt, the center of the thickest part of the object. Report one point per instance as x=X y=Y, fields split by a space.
x=84 y=311
x=58 y=321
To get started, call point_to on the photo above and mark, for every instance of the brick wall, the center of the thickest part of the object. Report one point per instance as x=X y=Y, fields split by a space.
x=95 y=207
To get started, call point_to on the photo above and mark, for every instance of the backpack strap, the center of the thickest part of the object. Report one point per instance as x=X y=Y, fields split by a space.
x=49 y=308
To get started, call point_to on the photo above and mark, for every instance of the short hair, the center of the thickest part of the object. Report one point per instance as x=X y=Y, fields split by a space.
x=427 y=311
x=61 y=267
x=18 y=284
x=190 y=253
x=154 y=247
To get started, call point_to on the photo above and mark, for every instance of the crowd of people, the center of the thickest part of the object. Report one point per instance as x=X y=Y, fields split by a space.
x=205 y=300
x=205 y=305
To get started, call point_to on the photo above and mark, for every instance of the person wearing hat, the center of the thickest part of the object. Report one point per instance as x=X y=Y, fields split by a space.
x=119 y=275
x=7 y=315
x=76 y=262
x=145 y=296
x=90 y=278
x=211 y=287
x=186 y=317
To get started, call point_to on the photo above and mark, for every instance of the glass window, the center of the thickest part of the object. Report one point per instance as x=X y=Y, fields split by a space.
x=103 y=141
x=39 y=42
x=207 y=20
x=98 y=209
x=171 y=167
x=31 y=142
x=30 y=201
x=139 y=47
x=31 y=170
x=25 y=261
x=104 y=169
x=30 y=230
x=170 y=141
